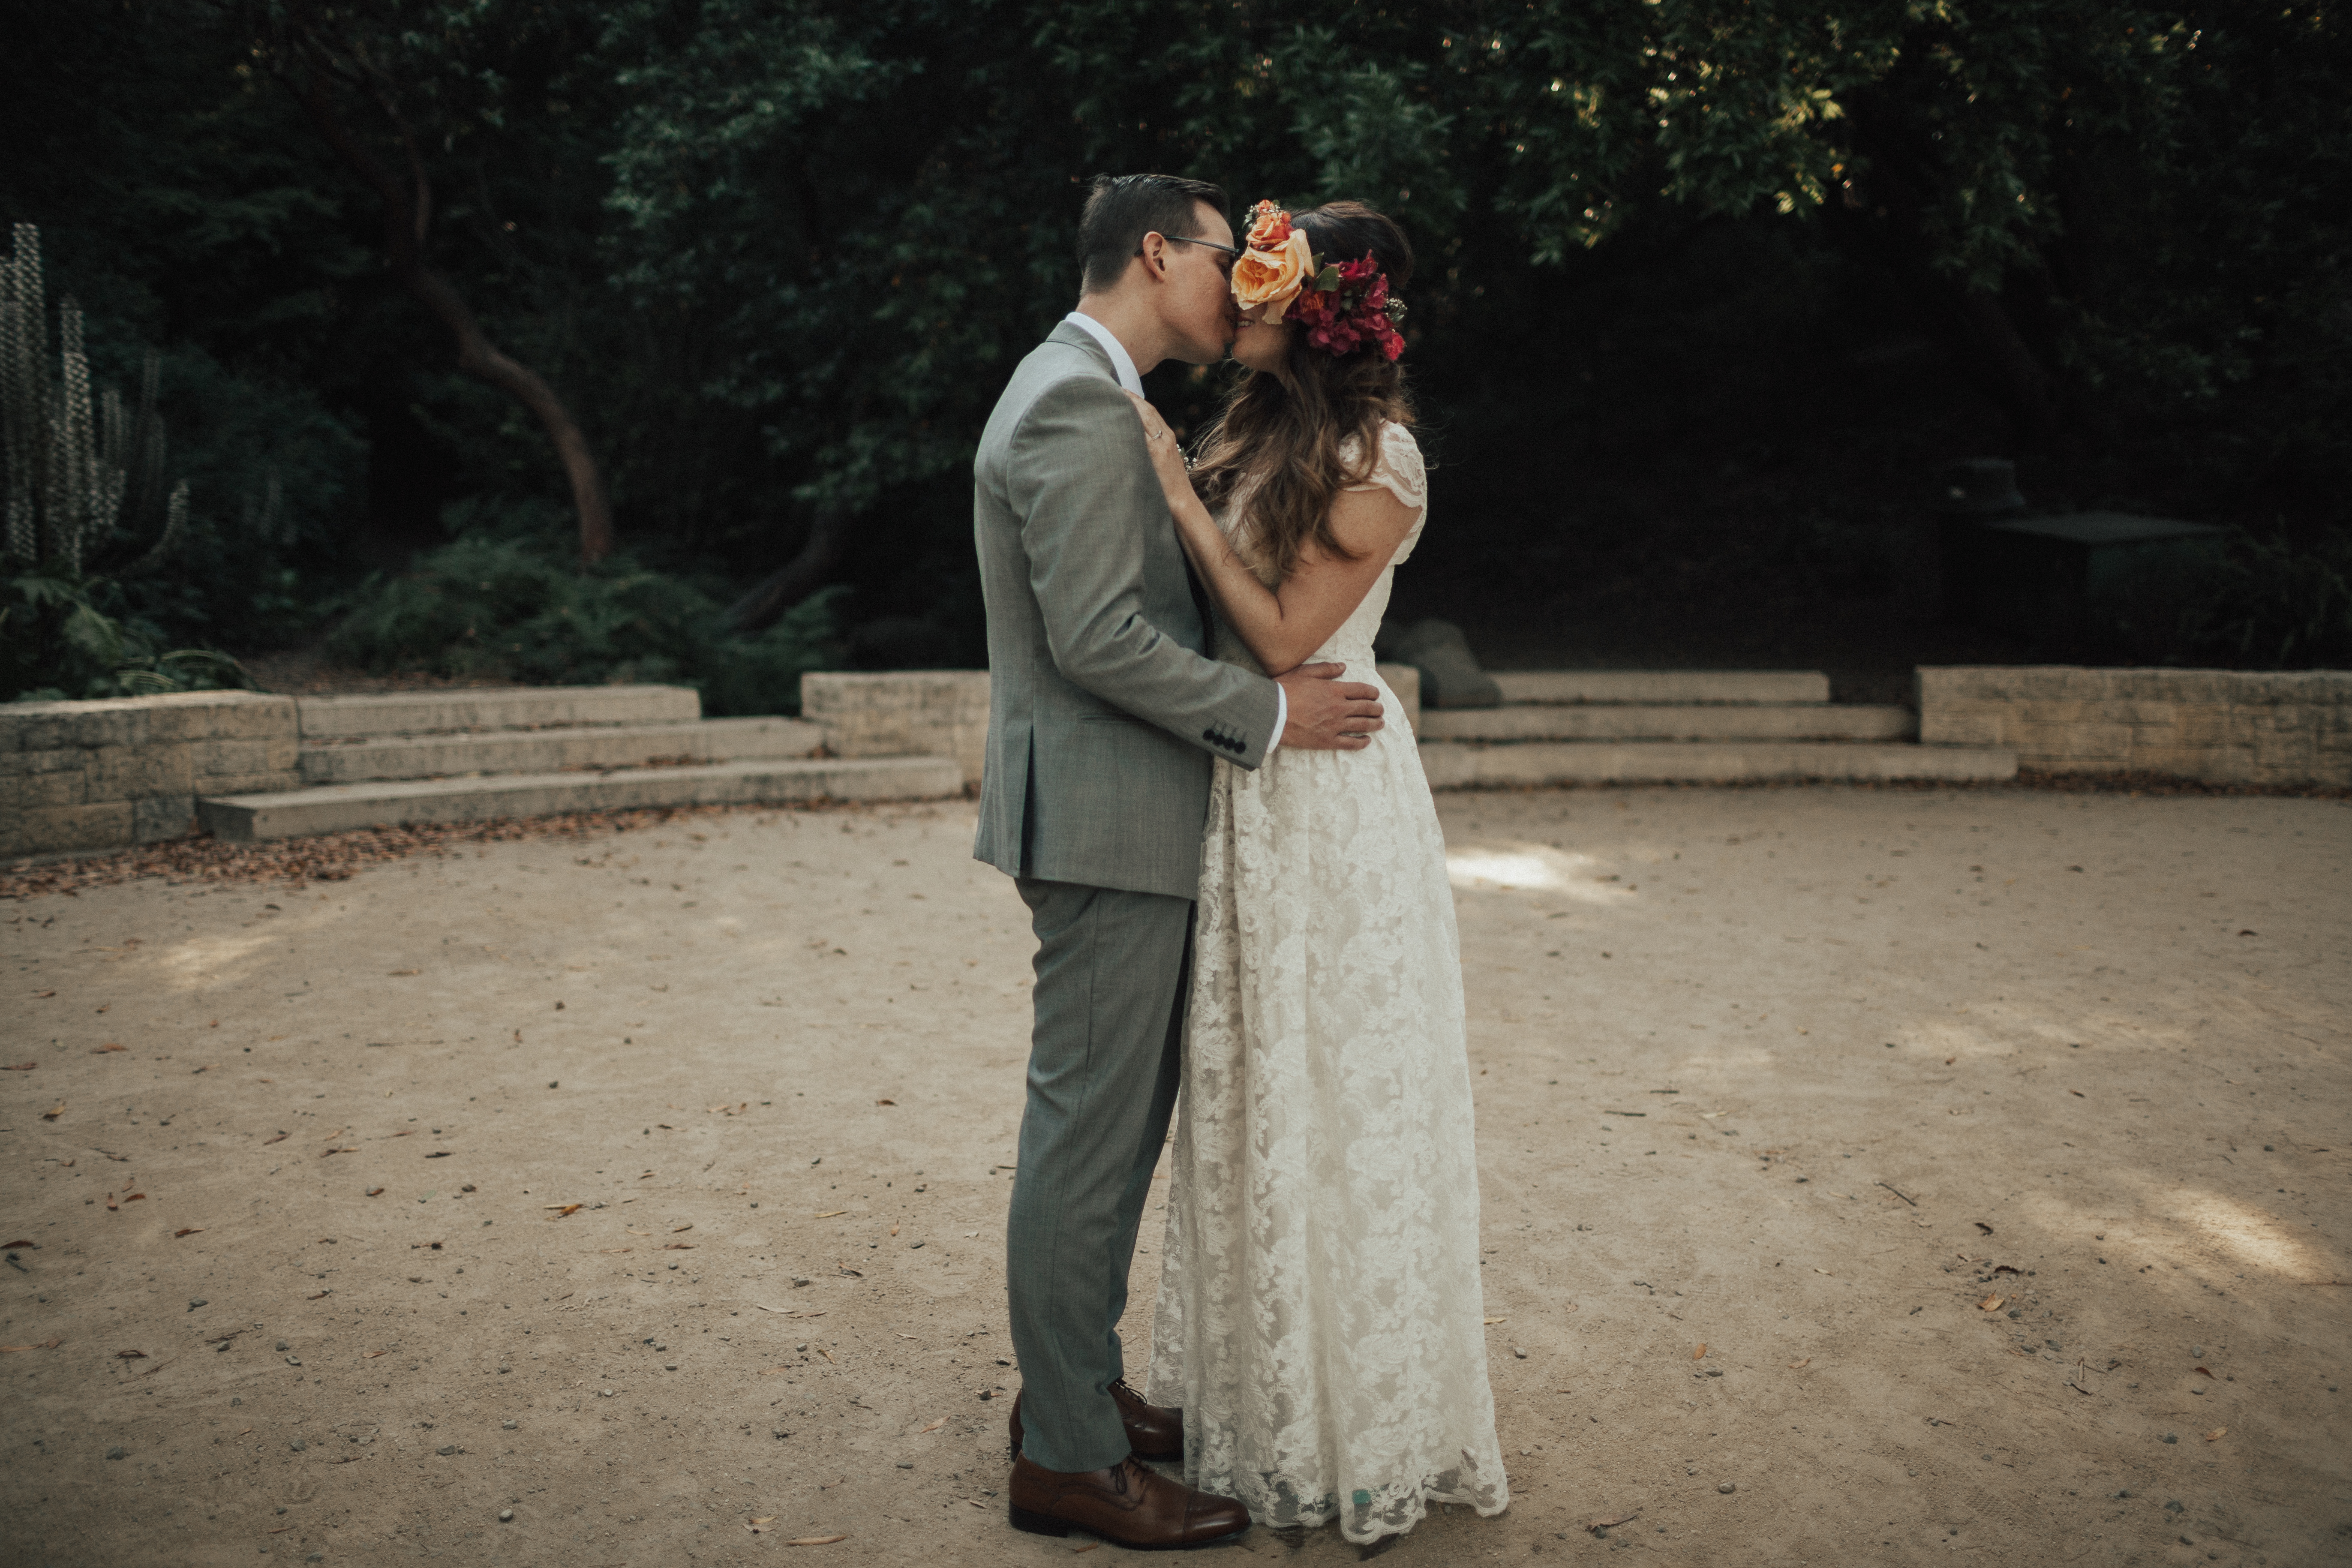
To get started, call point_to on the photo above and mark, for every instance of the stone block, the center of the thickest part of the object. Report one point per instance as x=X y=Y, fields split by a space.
x=1968 y=723
x=127 y=773
x=58 y=760
x=162 y=816
x=22 y=792
x=207 y=758
x=37 y=726
x=48 y=829
x=268 y=783
x=210 y=715
x=503 y=708
x=902 y=714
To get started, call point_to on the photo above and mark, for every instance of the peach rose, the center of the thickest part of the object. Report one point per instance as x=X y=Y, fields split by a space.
x=1273 y=278
x=1269 y=226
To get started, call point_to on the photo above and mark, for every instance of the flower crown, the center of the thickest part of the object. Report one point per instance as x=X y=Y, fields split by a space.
x=1341 y=305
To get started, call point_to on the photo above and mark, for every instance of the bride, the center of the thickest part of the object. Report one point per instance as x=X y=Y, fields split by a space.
x=1320 y=1319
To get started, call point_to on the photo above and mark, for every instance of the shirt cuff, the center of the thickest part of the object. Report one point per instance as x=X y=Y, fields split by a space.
x=1281 y=717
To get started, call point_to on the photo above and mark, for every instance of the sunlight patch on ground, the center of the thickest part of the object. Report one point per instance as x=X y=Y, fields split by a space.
x=1530 y=868
x=2247 y=1233
x=202 y=961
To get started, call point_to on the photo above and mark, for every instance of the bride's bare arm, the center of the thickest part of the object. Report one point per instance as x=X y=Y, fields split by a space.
x=1281 y=627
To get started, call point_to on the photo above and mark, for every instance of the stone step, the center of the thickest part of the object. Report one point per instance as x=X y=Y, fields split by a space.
x=1670 y=722
x=494 y=708
x=1453 y=764
x=335 y=808
x=1663 y=685
x=554 y=750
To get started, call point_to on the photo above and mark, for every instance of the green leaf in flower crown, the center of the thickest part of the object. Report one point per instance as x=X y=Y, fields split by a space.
x=1327 y=280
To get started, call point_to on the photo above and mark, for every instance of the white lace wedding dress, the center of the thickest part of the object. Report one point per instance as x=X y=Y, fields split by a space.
x=1320 y=1318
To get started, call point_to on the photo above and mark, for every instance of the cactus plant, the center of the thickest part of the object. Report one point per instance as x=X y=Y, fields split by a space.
x=80 y=465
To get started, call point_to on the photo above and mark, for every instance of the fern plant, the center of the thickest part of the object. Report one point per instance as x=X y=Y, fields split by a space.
x=80 y=465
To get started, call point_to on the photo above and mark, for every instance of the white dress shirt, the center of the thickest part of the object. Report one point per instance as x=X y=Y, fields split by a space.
x=1123 y=365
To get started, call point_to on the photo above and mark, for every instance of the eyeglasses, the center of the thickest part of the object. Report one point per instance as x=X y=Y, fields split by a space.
x=1231 y=252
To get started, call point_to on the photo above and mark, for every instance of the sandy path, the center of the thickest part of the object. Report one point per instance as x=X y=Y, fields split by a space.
x=1717 y=1032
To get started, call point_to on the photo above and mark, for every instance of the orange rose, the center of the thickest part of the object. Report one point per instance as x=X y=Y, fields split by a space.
x=1269 y=226
x=1272 y=277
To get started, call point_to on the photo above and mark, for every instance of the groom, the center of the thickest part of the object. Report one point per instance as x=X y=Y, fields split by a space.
x=1105 y=710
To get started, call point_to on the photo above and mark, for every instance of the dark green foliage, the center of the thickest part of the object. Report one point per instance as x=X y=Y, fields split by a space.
x=56 y=644
x=1706 y=287
x=2270 y=606
x=507 y=599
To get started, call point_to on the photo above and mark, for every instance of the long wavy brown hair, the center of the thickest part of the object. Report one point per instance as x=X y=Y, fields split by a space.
x=1280 y=437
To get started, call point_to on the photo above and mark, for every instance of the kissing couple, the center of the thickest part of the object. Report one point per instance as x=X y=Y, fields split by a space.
x=1238 y=886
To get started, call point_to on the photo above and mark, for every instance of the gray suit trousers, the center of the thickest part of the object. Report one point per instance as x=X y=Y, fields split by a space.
x=1105 y=1056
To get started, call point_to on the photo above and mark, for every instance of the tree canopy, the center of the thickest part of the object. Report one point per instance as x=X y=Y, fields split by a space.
x=773 y=258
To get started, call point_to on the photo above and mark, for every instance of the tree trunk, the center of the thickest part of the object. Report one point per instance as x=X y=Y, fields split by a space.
x=796 y=579
x=407 y=220
x=1880 y=220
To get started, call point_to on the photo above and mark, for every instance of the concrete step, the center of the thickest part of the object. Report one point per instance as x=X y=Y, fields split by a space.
x=494 y=708
x=1663 y=685
x=554 y=750
x=1453 y=764
x=1670 y=722
x=335 y=808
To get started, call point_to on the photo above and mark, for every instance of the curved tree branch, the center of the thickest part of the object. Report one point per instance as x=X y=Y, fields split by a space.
x=407 y=223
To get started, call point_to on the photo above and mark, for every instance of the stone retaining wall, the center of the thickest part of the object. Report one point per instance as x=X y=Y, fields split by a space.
x=99 y=775
x=944 y=712
x=2220 y=726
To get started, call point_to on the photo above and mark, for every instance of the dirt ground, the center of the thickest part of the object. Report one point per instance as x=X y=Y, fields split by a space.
x=1881 y=1176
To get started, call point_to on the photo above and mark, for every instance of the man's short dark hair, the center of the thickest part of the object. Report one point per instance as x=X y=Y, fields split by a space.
x=1121 y=209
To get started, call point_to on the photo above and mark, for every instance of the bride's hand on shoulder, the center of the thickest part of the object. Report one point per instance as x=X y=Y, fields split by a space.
x=1167 y=457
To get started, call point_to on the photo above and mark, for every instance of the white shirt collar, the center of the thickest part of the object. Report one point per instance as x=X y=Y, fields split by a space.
x=1121 y=361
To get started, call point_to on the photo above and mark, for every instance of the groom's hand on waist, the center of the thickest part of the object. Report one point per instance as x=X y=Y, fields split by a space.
x=1326 y=713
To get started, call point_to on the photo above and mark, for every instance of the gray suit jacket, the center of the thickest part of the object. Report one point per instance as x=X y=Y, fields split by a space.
x=1104 y=705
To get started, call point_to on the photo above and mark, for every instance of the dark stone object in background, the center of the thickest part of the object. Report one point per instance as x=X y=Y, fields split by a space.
x=1450 y=676
x=1978 y=487
x=2044 y=577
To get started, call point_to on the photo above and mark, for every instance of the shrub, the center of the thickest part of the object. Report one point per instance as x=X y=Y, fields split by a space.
x=506 y=600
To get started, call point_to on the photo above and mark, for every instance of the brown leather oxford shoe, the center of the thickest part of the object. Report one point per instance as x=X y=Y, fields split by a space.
x=1153 y=1431
x=1129 y=1505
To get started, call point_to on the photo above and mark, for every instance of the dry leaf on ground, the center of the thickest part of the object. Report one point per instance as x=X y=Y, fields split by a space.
x=109 y=1046
x=815 y=1540
x=2215 y=1435
x=936 y=1425
x=1613 y=1522
x=561 y=1209
x=187 y=1230
x=52 y=1114
x=1698 y=1353
x=130 y=1355
x=885 y=1102
x=2203 y=1371
x=1981 y=1226
x=1801 y=1365
x=1989 y=1304
x=678 y=1246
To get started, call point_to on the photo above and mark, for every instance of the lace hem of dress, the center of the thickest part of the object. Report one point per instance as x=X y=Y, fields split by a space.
x=1274 y=1501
